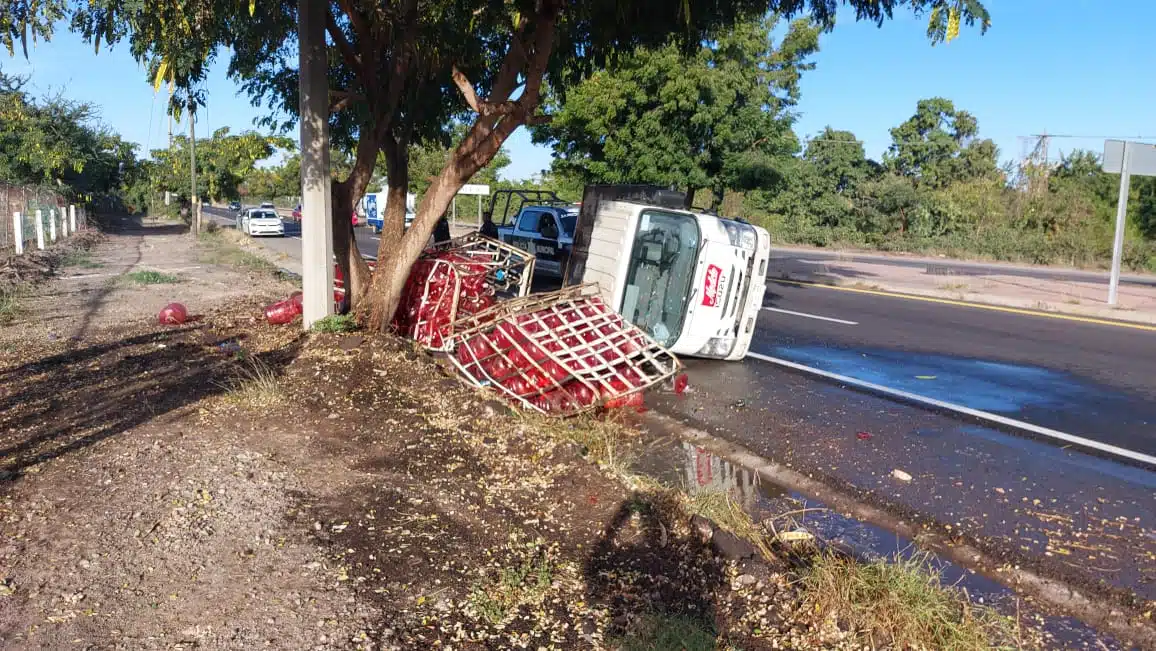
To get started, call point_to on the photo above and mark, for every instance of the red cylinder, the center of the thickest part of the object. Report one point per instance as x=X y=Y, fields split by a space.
x=173 y=314
x=281 y=312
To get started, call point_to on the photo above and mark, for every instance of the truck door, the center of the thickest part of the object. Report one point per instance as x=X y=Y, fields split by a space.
x=537 y=232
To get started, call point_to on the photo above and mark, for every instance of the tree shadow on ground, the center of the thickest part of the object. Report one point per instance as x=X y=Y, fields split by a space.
x=654 y=582
x=60 y=404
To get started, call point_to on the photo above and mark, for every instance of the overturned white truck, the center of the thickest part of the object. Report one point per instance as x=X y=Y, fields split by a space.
x=692 y=281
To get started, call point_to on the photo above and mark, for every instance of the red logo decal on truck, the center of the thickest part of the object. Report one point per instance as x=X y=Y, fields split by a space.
x=710 y=288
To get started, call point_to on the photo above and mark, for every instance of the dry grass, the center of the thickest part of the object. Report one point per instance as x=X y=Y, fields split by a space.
x=222 y=247
x=900 y=603
x=718 y=507
x=9 y=306
x=525 y=580
x=256 y=386
x=605 y=441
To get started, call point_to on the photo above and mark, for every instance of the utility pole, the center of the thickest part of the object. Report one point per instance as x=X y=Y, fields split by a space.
x=169 y=193
x=316 y=208
x=195 y=208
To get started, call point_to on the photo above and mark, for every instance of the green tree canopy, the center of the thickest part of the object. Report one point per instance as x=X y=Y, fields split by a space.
x=224 y=161
x=939 y=145
x=718 y=118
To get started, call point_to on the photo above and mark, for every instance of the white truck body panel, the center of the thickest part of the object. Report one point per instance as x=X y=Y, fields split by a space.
x=681 y=276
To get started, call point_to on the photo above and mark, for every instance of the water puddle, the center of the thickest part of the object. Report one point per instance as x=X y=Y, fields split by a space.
x=684 y=465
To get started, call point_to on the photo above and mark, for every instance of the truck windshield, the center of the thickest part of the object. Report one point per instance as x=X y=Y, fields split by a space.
x=658 y=280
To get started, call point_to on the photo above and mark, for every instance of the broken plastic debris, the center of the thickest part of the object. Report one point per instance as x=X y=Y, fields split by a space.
x=795 y=536
x=173 y=314
x=924 y=377
x=680 y=383
x=900 y=475
x=283 y=312
x=863 y=436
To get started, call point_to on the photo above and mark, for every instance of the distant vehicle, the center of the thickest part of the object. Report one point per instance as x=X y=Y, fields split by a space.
x=261 y=221
x=373 y=205
x=536 y=221
x=268 y=204
x=235 y=205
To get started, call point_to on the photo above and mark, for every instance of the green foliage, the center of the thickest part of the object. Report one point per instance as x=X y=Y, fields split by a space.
x=427 y=160
x=335 y=323
x=938 y=146
x=661 y=632
x=717 y=118
x=151 y=278
x=224 y=161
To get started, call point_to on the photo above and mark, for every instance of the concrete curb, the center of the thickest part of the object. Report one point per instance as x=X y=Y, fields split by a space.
x=1105 y=313
x=1105 y=617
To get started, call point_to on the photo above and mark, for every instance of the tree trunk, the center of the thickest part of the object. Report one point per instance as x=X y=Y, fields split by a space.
x=345 y=195
x=688 y=202
x=375 y=312
x=497 y=117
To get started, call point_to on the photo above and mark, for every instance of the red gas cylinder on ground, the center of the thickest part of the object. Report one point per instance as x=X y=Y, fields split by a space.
x=173 y=314
x=282 y=312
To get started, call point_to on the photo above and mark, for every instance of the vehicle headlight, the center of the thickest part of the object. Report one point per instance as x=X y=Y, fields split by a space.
x=740 y=235
x=717 y=347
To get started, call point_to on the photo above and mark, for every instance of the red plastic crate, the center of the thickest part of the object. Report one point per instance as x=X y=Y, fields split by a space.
x=560 y=353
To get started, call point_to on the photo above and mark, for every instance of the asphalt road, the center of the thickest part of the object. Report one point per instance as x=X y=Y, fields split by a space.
x=797 y=260
x=1095 y=381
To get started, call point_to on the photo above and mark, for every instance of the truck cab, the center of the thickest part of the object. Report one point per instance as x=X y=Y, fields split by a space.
x=693 y=281
x=547 y=231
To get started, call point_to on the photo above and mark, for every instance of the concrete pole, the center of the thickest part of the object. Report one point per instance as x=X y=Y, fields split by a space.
x=72 y=216
x=40 y=229
x=1121 y=218
x=64 y=223
x=317 y=230
x=18 y=231
x=195 y=207
x=52 y=224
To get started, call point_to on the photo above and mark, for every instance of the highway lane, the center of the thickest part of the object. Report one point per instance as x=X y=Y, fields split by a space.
x=1091 y=380
x=802 y=261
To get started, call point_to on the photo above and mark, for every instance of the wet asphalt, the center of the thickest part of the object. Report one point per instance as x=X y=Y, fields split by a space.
x=1035 y=503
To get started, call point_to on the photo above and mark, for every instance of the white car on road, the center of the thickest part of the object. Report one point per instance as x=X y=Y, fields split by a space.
x=261 y=221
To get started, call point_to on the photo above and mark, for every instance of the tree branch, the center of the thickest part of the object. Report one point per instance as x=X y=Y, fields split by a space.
x=480 y=106
x=343 y=43
x=344 y=99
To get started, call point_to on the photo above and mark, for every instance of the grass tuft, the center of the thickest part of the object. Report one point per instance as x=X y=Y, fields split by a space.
x=718 y=507
x=525 y=582
x=900 y=603
x=664 y=632
x=79 y=258
x=335 y=323
x=151 y=278
x=9 y=306
x=257 y=386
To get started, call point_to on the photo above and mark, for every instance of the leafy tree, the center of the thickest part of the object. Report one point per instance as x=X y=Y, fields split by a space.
x=939 y=145
x=717 y=118
x=427 y=160
x=403 y=71
x=224 y=161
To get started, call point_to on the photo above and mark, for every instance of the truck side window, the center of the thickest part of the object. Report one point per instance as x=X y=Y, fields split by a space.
x=529 y=221
x=548 y=227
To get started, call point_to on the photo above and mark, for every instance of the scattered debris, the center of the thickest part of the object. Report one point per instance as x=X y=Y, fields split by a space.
x=863 y=436
x=900 y=475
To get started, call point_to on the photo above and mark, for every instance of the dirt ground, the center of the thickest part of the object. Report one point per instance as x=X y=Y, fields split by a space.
x=229 y=484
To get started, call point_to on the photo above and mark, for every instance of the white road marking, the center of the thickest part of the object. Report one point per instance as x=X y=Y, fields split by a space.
x=811 y=316
x=968 y=411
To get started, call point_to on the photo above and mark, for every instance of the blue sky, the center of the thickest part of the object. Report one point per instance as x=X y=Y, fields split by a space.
x=1074 y=67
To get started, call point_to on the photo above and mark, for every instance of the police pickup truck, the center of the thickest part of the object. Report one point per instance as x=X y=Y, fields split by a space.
x=538 y=222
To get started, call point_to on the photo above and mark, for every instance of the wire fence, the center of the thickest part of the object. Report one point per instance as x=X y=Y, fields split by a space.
x=22 y=207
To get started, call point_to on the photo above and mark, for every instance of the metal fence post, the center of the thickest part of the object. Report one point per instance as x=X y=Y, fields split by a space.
x=18 y=231
x=72 y=216
x=40 y=229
